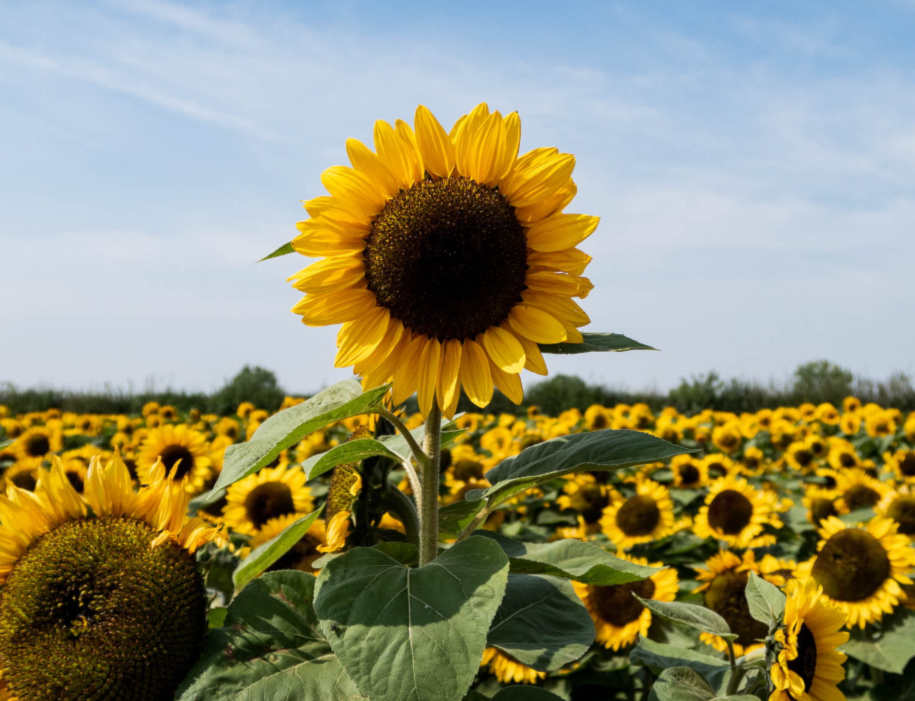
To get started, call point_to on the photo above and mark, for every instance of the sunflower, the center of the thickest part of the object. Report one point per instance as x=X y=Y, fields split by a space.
x=645 y=516
x=689 y=473
x=727 y=437
x=879 y=423
x=98 y=602
x=447 y=258
x=265 y=495
x=861 y=568
x=850 y=423
x=181 y=446
x=753 y=459
x=800 y=456
x=809 y=665
x=724 y=581
x=38 y=442
x=507 y=669
x=303 y=554
x=901 y=463
x=735 y=512
x=822 y=503
x=23 y=474
x=584 y=494
x=718 y=465
x=899 y=505
x=858 y=490
x=619 y=618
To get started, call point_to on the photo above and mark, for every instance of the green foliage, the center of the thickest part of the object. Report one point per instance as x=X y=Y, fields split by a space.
x=251 y=384
x=821 y=381
x=766 y=601
x=595 y=343
x=270 y=648
x=889 y=648
x=283 y=250
x=412 y=634
x=268 y=553
x=697 y=617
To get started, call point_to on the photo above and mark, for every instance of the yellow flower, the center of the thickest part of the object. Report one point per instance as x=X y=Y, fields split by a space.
x=177 y=446
x=689 y=473
x=858 y=490
x=809 y=665
x=736 y=513
x=901 y=464
x=861 y=569
x=507 y=669
x=727 y=438
x=899 y=505
x=584 y=494
x=38 y=442
x=822 y=503
x=879 y=423
x=618 y=616
x=303 y=554
x=446 y=257
x=266 y=495
x=646 y=516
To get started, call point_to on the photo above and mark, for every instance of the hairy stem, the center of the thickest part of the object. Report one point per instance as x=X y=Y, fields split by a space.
x=737 y=672
x=402 y=506
x=418 y=453
x=428 y=518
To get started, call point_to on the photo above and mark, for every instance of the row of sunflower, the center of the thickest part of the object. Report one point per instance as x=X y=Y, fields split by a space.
x=816 y=500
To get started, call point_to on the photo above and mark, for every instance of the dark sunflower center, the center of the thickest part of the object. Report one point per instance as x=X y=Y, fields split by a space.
x=617 y=605
x=803 y=457
x=851 y=566
x=689 y=473
x=717 y=469
x=902 y=512
x=172 y=454
x=93 y=612
x=805 y=664
x=860 y=496
x=37 y=446
x=76 y=481
x=822 y=508
x=638 y=516
x=447 y=257
x=589 y=501
x=726 y=596
x=907 y=465
x=465 y=470
x=267 y=501
x=729 y=440
x=730 y=512
x=817 y=448
x=599 y=422
x=847 y=460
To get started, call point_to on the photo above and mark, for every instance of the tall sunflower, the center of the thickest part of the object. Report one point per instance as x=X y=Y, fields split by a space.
x=861 y=569
x=809 y=666
x=446 y=257
x=736 y=513
x=112 y=600
x=619 y=618
x=645 y=516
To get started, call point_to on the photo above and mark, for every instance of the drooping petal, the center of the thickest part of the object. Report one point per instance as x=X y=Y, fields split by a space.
x=428 y=374
x=406 y=374
x=475 y=376
x=508 y=384
x=504 y=350
x=534 y=358
x=536 y=324
x=329 y=275
x=434 y=144
x=561 y=231
x=335 y=307
x=371 y=166
x=359 y=338
x=448 y=384
x=354 y=188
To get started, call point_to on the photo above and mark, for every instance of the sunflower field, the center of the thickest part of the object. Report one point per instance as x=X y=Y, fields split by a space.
x=814 y=502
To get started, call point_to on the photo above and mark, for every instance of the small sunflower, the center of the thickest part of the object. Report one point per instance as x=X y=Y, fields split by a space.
x=181 y=446
x=861 y=568
x=822 y=503
x=718 y=465
x=724 y=581
x=901 y=464
x=619 y=618
x=23 y=474
x=303 y=554
x=753 y=459
x=800 y=456
x=507 y=669
x=728 y=437
x=97 y=602
x=858 y=490
x=809 y=665
x=689 y=473
x=585 y=495
x=736 y=513
x=38 y=442
x=899 y=505
x=461 y=209
x=645 y=516
x=266 y=495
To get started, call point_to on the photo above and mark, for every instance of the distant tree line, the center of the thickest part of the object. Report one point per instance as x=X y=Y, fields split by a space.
x=816 y=382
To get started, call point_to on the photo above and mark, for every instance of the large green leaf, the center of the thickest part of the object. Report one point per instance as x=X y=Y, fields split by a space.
x=271 y=648
x=351 y=451
x=412 y=634
x=594 y=451
x=6 y=444
x=268 y=553
x=767 y=602
x=570 y=559
x=595 y=343
x=288 y=427
x=283 y=250
x=658 y=657
x=697 y=617
x=890 y=649
x=525 y=693
x=682 y=684
x=541 y=623
x=454 y=518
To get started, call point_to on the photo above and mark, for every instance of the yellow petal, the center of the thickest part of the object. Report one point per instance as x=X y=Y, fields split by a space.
x=504 y=350
x=448 y=385
x=434 y=144
x=428 y=373
x=509 y=154
x=354 y=189
x=475 y=375
x=508 y=384
x=371 y=166
x=389 y=343
x=406 y=373
x=536 y=324
x=330 y=210
x=534 y=358
x=324 y=242
x=394 y=154
x=554 y=283
x=334 y=307
x=329 y=274
x=553 y=204
x=360 y=337
x=563 y=308
x=561 y=231
x=411 y=149
x=537 y=183
x=572 y=261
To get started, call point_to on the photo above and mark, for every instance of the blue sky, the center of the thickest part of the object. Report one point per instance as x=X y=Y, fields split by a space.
x=753 y=165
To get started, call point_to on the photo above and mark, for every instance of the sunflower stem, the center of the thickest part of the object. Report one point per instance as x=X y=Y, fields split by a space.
x=418 y=454
x=403 y=507
x=737 y=671
x=428 y=511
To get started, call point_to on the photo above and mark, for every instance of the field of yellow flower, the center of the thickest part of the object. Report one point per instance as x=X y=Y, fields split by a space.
x=815 y=500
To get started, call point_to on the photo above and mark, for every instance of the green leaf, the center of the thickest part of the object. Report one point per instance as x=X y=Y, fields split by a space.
x=525 y=693
x=288 y=427
x=541 y=623
x=268 y=553
x=697 y=617
x=595 y=343
x=890 y=649
x=412 y=634
x=454 y=518
x=682 y=684
x=216 y=617
x=283 y=250
x=271 y=648
x=570 y=559
x=658 y=657
x=6 y=444
x=594 y=451
x=767 y=602
x=351 y=451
